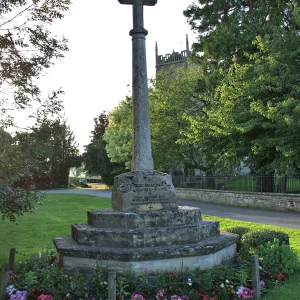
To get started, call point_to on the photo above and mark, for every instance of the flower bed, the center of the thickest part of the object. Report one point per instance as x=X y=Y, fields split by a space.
x=42 y=278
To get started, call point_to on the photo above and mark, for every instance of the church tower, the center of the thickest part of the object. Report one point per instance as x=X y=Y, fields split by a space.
x=175 y=59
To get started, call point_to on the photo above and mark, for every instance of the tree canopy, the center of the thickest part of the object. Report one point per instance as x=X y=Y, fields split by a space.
x=27 y=49
x=249 y=51
x=174 y=95
x=118 y=135
x=52 y=147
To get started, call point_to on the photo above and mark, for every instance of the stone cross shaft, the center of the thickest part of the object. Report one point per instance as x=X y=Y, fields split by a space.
x=141 y=146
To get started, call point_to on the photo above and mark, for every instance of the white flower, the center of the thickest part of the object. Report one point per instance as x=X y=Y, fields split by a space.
x=189 y=281
x=227 y=281
x=222 y=285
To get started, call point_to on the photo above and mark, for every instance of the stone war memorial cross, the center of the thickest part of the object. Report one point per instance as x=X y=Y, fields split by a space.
x=141 y=152
x=145 y=228
x=143 y=188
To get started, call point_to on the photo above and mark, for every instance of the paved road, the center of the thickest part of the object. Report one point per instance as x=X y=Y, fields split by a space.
x=277 y=218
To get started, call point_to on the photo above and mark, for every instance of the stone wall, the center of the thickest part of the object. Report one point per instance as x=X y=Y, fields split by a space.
x=283 y=202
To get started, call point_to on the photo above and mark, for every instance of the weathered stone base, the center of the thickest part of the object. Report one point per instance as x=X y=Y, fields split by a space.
x=153 y=240
x=206 y=254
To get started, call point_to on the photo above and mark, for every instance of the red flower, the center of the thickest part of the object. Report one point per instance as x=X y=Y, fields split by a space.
x=280 y=276
x=45 y=297
x=173 y=275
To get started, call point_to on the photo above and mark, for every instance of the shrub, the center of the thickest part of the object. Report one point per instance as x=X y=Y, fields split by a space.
x=240 y=231
x=277 y=257
x=260 y=237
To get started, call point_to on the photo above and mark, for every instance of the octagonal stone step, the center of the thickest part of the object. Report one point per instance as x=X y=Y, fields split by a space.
x=205 y=254
x=109 y=218
x=142 y=238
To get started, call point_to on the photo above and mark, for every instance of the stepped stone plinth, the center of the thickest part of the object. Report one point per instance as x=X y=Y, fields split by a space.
x=154 y=239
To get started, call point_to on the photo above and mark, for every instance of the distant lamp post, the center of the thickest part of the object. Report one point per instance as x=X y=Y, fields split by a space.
x=141 y=146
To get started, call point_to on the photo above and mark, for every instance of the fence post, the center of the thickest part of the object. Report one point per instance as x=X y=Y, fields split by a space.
x=255 y=276
x=12 y=256
x=3 y=281
x=112 y=274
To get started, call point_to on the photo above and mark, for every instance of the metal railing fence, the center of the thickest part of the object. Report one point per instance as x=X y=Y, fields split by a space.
x=242 y=183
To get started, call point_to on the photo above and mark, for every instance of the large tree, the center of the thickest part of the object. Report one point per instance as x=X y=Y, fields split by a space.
x=27 y=48
x=251 y=59
x=15 y=165
x=52 y=147
x=175 y=94
x=227 y=28
x=95 y=157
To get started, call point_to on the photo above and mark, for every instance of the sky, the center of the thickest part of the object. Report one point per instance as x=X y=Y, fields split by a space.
x=96 y=72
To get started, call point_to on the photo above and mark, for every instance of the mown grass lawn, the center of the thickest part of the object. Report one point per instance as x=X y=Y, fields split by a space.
x=54 y=217
x=51 y=219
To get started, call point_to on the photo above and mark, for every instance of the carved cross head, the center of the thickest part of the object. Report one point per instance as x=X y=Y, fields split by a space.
x=145 y=2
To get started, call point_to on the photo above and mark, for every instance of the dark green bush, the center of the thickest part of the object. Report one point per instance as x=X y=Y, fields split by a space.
x=260 y=237
x=239 y=230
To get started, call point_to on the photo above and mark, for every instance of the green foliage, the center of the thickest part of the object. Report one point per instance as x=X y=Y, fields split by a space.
x=119 y=134
x=5 y=140
x=16 y=200
x=42 y=274
x=95 y=157
x=250 y=60
x=276 y=256
x=27 y=48
x=172 y=96
x=52 y=147
x=240 y=231
x=175 y=94
x=260 y=237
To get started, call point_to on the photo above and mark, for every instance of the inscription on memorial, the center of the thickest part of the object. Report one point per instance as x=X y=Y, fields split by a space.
x=141 y=191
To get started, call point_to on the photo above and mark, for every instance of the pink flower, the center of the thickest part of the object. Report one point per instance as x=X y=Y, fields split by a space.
x=45 y=297
x=262 y=283
x=245 y=293
x=160 y=295
x=175 y=297
x=137 y=296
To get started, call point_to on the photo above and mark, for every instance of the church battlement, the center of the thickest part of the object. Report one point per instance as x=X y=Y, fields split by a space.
x=172 y=58
x=175 y=59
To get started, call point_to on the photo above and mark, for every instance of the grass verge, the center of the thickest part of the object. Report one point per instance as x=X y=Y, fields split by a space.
x=51 y=219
